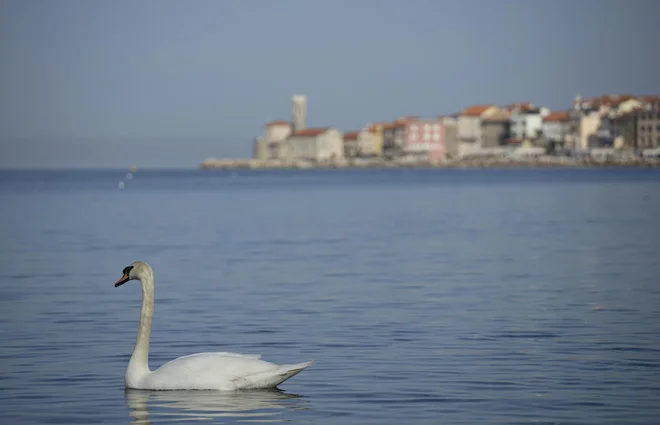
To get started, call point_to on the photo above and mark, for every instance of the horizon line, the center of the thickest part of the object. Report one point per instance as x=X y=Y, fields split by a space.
x=99 y=168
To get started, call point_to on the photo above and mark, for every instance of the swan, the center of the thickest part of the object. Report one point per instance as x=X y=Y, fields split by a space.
x=201 y=371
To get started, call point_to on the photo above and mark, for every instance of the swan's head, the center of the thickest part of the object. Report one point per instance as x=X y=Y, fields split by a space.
x=136 y=271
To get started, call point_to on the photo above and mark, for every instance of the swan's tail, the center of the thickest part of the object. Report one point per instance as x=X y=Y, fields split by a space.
x=272 y=379
x=288 y=371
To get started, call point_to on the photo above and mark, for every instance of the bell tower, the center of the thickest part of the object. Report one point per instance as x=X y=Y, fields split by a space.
x=299 y=112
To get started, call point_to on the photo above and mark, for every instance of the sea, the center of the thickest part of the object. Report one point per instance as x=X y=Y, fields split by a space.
x=424 y=296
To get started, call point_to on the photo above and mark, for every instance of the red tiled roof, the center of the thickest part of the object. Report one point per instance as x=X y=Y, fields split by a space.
x=615 y=100
x=403 y=121
x=375 y=126
x=556 y=116
x=608 y=99
x=351 y=135
x=476 y=110
x=502 y=115
x=310 y=132
x=523 y=106
x=513 y=141
x=277 y=122
x=650 y=99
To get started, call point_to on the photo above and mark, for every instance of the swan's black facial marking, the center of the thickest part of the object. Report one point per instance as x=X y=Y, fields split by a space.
x=125 y=278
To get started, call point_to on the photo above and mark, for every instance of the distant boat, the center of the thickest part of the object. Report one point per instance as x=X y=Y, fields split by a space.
x=129 y=176
x=133 y=168
x=120 y=186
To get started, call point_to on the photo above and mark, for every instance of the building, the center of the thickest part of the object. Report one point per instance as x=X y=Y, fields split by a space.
x=469 y=127
x=351 y=147
x=496 y=129
x=366 y=143
x=299 y=113
x=609 y=103
x=589 y=122
x=639 y=128
x=425 y=139
x=604 y=135
x=526 y=121
x=556 y=129
x=260 y=149
x=415 y=138
x=587 y=113
x=392 y=140
x=624 y=129
x=272 y=144
x=316 y=144
x=450 y=134
x=275 y=135
x=585 y=120
x=371 y=140
x=648 y=124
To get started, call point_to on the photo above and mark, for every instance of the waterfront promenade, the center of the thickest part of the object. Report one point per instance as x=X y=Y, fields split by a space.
x=483 y=162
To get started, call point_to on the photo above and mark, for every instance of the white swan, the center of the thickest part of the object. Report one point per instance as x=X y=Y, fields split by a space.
x=202 y=371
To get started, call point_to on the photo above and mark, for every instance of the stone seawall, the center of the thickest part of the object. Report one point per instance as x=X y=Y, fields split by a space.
x=543 y=161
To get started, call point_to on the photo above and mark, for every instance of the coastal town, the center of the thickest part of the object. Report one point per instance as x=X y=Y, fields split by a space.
x=613 y=129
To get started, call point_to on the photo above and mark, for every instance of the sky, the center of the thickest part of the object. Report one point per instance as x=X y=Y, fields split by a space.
x=164 y=83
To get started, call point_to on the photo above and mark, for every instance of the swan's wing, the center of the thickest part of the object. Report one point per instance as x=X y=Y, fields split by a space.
x=208 y=371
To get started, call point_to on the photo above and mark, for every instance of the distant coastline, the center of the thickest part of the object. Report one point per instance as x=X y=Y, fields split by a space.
x=536 y=162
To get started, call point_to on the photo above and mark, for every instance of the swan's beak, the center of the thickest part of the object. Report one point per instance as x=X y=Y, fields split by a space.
x=121 y=281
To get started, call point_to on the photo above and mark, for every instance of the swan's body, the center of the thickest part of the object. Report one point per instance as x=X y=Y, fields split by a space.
x=202 y=371
x=214 y=371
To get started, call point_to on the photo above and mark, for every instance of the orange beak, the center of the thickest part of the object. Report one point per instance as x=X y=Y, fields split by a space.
x=121 y=281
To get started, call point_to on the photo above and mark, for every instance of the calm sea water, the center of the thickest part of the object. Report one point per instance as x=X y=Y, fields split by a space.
x=425 y=297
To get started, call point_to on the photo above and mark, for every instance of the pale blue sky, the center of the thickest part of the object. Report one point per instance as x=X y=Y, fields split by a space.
x=169 y=83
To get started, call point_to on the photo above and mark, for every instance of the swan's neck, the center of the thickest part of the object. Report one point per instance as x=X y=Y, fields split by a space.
x=138 y=366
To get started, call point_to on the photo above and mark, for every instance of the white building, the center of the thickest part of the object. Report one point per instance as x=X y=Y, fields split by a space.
x=316 y=144
x=365 y=142
x=527 y=121
x=557 y=127
x=273 y=144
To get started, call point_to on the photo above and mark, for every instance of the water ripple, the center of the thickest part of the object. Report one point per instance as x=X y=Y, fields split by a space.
x=465 y=297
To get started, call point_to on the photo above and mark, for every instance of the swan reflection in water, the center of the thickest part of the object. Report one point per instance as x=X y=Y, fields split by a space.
x=148 y=407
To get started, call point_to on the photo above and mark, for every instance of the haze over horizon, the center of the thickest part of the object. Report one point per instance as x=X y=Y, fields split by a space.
x=170 y=83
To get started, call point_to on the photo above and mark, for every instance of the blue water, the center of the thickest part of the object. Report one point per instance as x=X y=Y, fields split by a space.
x=425 y=296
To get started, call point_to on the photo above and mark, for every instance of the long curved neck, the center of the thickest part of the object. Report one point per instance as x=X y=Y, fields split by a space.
x=138 y=366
